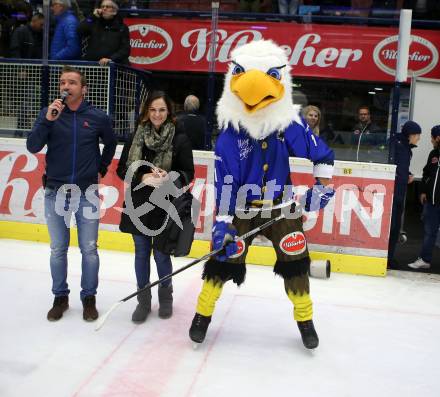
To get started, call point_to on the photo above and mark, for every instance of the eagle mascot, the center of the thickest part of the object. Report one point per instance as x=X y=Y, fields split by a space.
x=260 y=129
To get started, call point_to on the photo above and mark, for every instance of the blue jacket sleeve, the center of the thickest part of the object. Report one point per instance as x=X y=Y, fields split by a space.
x=226 y=176
x=72 y=48
x=301 y=142
x=109 y=140
x=39 y=134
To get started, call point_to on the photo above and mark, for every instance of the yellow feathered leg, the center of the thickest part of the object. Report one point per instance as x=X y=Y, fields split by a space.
x=297 y=289
x=209 y=295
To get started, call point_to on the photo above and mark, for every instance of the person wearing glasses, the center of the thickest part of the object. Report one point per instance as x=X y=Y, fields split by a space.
x=65 y=41
x=106 y=34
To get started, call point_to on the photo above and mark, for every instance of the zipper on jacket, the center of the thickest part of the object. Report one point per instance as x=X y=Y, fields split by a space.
x=435 y=183
x=72 y=179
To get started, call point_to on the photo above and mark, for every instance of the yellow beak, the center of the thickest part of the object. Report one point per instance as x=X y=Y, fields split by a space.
x=256 y=89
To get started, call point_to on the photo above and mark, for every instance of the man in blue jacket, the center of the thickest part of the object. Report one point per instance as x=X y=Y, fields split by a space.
x=71 y=131
x=65 y=41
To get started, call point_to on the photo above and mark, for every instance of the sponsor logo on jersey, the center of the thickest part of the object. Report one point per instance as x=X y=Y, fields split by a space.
x=293 y=243
x=241 y=246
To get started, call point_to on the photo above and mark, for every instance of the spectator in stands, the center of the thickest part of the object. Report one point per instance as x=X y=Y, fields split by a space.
x=288 y=7
x=313 y=118
x=360 y=8
x=108 y=37
x=65 y=41
x=13 y=14
x=430 y=198
x=192 y=122
x=250 y=5
x=74 y=164
x=365 y=131
x=27 y=40
x=403 y=144
x=158 y=141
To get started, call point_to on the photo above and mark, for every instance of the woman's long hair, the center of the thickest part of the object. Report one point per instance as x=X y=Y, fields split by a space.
x=152 y=96
x=306 y=110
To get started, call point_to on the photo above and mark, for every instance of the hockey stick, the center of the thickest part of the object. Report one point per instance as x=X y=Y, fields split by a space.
x=104 y=317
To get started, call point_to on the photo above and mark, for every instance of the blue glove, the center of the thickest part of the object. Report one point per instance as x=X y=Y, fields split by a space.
x=223 y=234
x=317 y=197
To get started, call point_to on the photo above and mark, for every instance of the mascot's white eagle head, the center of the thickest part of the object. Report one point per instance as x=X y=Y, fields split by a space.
x=257 y=95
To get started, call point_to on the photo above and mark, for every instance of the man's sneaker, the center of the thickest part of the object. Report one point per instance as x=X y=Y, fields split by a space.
x=419 y=264
x=199 y=327
x=60 y=305
x=308 y=334
x=89 y=308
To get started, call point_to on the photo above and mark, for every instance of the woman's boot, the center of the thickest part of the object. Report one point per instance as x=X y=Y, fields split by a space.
x=165 y=301
x=143 y=308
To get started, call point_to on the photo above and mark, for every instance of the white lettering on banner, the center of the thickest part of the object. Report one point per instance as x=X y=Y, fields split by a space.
x=138 y=43
x=200 y=48
x=20 y=189
x=351 y=203
x=415 y=56
x=355 y=211
x=109 y=196
x=303 y=50
x=325 y=58
x=20 y=186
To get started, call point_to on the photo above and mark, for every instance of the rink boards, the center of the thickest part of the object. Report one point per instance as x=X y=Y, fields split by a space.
x=352 y=231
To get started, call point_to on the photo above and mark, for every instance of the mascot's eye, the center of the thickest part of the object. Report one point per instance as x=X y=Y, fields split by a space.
x=275 y=73
x=237 y=69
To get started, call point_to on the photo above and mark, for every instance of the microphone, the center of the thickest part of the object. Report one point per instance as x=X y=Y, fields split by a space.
x=63 y=98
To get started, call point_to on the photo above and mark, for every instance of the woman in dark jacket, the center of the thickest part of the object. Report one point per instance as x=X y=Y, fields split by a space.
x=108 y=37
x=159 y=148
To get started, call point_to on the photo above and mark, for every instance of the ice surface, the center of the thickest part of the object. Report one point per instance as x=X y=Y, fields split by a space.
x=378 y=336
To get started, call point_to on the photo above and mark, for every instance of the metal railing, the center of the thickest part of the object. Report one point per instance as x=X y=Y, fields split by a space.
x=27 y=86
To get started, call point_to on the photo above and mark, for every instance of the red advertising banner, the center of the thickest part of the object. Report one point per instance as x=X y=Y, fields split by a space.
x=325 y=51
x=356 y=221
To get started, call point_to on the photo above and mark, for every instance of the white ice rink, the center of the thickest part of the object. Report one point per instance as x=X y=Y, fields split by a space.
x=378 y=336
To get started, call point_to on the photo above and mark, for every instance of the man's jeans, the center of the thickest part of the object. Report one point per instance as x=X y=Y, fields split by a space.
x=288 y=7
x=431 y=222
x=58 y=212
x=142 y=249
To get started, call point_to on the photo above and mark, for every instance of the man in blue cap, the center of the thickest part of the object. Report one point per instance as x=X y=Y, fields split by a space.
x=430 y=198
x=403 y=143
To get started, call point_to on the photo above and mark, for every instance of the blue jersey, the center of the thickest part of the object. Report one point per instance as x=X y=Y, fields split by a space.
x=247 y=169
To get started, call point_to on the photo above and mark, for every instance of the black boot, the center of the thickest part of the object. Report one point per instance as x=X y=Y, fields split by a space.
x=89 y=308
x=308 y=334
x=60 y=305
x=199 y=327
x=165 y=295
x=143 y=308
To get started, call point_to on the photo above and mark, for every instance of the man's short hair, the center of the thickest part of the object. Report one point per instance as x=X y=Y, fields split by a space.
x=364 y=107
x=191 y=103
x=37 y=15
x=71 y=69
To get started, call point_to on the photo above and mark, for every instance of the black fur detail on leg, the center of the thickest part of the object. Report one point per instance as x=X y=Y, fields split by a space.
x=224 y=271
x=292 y=269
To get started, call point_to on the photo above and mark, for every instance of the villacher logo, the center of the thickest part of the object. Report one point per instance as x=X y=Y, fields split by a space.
x=293 y=244
x=149 y=44
x=422 y=58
